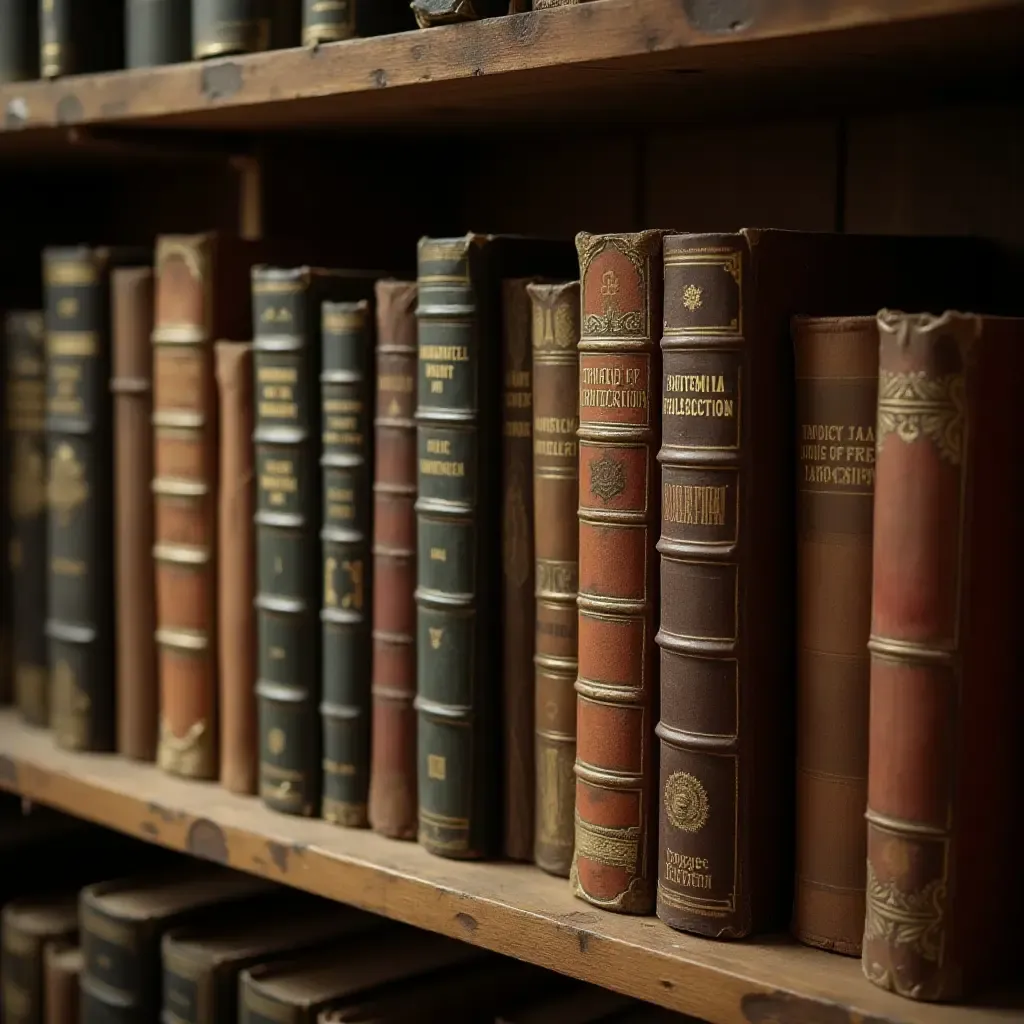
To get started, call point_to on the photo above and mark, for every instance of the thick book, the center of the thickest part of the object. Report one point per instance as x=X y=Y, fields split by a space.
x=224 y=27
x=19 y=40
x=236 y=570
x=157 y=32
x=80 y=588
x=62 y=971
x=944 y=892
x=26 y=438
x=458 y=591
x=555 y=335
x=617 y=686
x=80 y=36
x=202 y=964
x=392 y=801
x=836 y=392
x=443 y=12
x=327 y=21
x=346 y=436
x=131 y=384
x=121 y=925
x=287 y=324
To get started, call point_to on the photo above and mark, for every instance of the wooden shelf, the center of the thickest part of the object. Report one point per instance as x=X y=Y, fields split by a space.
x=512 y=909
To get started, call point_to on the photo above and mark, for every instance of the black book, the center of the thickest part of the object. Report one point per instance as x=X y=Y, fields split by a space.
x=80 y=36
x=19 y=40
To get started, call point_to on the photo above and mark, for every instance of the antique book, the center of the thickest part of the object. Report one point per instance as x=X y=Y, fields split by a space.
x=79 y=36
x=236 y=570
x=131 y=384
x=223 y=27
x=728 y=559
x=297 y=991
x=80 y=590
x=836 y=392
x=26 y=410
x=944 y=893
x=459 y=646
x=62 y=970
x=121 y=925
x=392 y=802
x=201 y=964
x=617 y=686
x=30 y=925
x=556 y=335
x=346 y=403
x=19 y=40
x=286 y=363
x=441 y=12
x=157 y=32
x=518 y=608
x=328 y=21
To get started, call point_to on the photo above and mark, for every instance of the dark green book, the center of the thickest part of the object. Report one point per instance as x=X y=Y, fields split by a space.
x=80 y=597
x=80 y=36
x=458 y=575
x=346 y=405
x=19 y=40
x=157 y=32
x=286 y=367
x=222 y=27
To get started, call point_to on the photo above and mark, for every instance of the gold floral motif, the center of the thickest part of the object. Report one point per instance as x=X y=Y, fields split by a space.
x=190 y=754
x=607 y=477
x=693 y=297
x=915 y=404
x=67 y=488
x=686 y=802
x=910 y=919
x=613 y=847
x=612 y=321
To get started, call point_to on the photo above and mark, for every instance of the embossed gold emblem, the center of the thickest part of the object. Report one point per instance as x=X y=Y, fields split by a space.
x=693 y=297
x=686 y=802
x=68 y=488
x=610 y=290
x=276 y=741
x=436 y=635
x=912 y=405
x=28 y=486
x=607 y=477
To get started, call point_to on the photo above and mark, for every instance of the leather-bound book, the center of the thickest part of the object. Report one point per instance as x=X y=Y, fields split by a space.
x=945 y=822
x=458 y=595
x=298 y=991
x=836 y=391
x=29 y=926
x=346 y=436
x=236 y=570
x=327 y=22
x=121 y=926
x=223 y=27
x=79 y=36
x=19 y=41
x=518 y=608
x=62 y=971
x=80 y=591
x=392 y=804
x=135 y=590
x=556 y=335
x=442 y=12
x=157 y=32
x=289 y=573
x=201 y=964
x=26 y=410
x=617 y=698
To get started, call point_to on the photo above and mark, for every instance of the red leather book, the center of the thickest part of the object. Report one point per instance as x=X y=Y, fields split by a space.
x=945 y=812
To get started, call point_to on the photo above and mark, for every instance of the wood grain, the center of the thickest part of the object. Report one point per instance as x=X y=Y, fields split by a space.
x=511 y=909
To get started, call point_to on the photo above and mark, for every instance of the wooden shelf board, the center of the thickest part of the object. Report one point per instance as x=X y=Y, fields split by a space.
x=511 y=909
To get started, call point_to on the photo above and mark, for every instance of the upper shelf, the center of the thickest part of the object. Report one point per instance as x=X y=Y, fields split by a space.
x=606 y=58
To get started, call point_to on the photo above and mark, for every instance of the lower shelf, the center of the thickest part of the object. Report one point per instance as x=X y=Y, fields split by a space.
x=512 y=909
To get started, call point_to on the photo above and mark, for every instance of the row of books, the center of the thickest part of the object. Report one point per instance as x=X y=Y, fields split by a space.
x=512 y=619
x=188 y=943
x=55 y=38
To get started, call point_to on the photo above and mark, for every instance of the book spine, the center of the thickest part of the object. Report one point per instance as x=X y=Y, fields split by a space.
x=185 y=492
x=135 y=588
x=56 y=55
x=392 y=804
x=327 y=21
x=19 y=40
x=443 y=12
x=836 y=394
x=158 y=32
x=26 y=411
x=556 y=335
x=80 y=36
x=257 y=1008
x=61 y=972
x=116 y=971
x=346 y=408
x=223 y=27
x=80 y=596
x=287 y=555
x=189 y=991
x=518 y=608
x=615 y=837
x=21 y=971
x=457 y=783
x=236 y=570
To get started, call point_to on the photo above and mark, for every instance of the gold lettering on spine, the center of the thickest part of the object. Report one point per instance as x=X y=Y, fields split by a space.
x=612 y=387
x=694 y=505
x=837 y=455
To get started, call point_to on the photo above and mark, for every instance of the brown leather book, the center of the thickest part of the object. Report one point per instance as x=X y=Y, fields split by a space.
x=236 y=570
x=945 y=821
x=518 y=615
x=62 y=970
x=556 y=335
x=615 y=841
x=131 y=292
x=392 y=801
x=836 y=391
